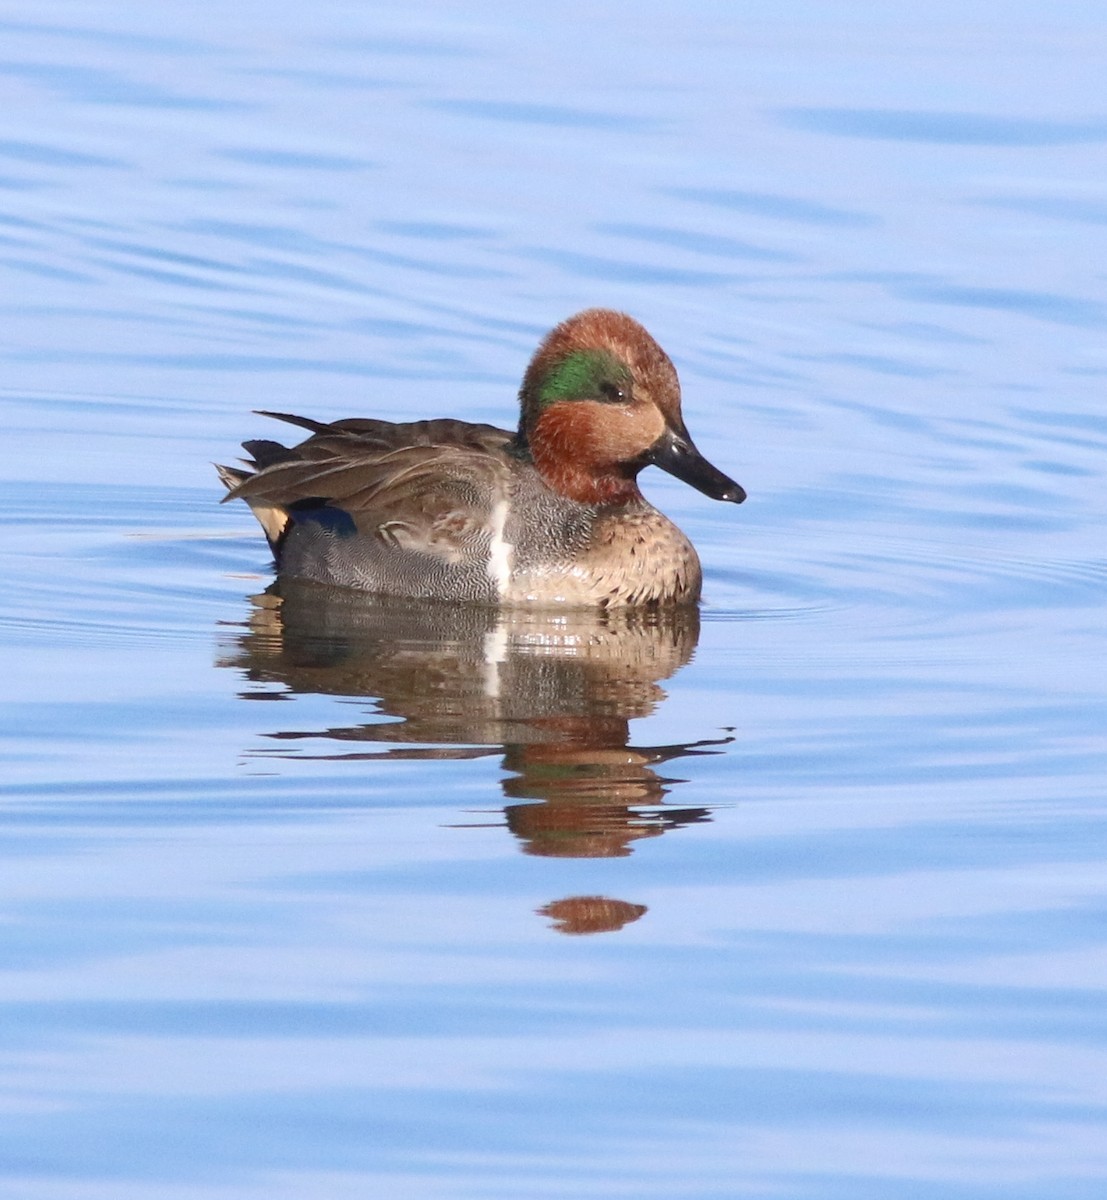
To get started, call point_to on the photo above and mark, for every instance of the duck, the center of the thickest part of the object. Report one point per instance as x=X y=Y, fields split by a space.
x=549 y=515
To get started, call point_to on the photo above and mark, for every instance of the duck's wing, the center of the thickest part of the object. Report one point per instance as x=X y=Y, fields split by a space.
x=427 y=486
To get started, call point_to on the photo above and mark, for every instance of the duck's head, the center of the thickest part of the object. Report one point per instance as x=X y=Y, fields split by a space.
x=600 y=401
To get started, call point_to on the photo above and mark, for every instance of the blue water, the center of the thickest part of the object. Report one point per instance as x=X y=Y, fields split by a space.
x=801 y=898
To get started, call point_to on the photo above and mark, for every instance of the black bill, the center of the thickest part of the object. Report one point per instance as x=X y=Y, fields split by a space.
x=676 y=453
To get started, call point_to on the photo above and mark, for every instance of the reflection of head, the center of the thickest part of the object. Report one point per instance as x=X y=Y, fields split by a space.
x=597 y=795
x=578 y=830
x=591 y=914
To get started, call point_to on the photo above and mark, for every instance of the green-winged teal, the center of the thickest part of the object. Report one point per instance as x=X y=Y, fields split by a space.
x=550 y=515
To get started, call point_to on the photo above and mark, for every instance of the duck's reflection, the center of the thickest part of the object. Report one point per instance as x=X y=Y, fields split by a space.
x=554 y=694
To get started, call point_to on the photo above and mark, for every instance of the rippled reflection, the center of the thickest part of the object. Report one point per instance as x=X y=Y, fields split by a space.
x=553 y=693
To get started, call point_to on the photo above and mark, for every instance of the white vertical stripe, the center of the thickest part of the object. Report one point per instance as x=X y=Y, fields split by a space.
x=495 y=654
x=500 y=550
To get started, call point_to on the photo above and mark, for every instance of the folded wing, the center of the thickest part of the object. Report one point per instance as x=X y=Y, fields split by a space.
x=423 y=486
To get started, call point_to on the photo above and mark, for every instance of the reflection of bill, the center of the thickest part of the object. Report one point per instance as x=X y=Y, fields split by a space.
x=553 y=693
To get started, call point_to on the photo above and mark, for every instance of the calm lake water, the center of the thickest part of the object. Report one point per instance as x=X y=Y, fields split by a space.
x=803 y=896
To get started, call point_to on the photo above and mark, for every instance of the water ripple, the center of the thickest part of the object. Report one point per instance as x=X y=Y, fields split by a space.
x=1058 y=208
x=595 y=266
x=98 y=85
x=558 y=116
x=41 y=154
x=1042 y=306
x=945 y=128
x=296 y=160
x=706 y=244
x=777 y=207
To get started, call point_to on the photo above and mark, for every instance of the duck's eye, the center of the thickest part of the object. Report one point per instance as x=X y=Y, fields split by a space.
x=612 y=392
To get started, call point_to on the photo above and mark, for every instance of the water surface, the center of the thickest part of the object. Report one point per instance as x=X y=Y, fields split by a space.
x=801 y=895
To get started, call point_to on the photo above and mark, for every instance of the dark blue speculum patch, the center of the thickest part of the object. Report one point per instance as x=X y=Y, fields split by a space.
x=318 y=512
